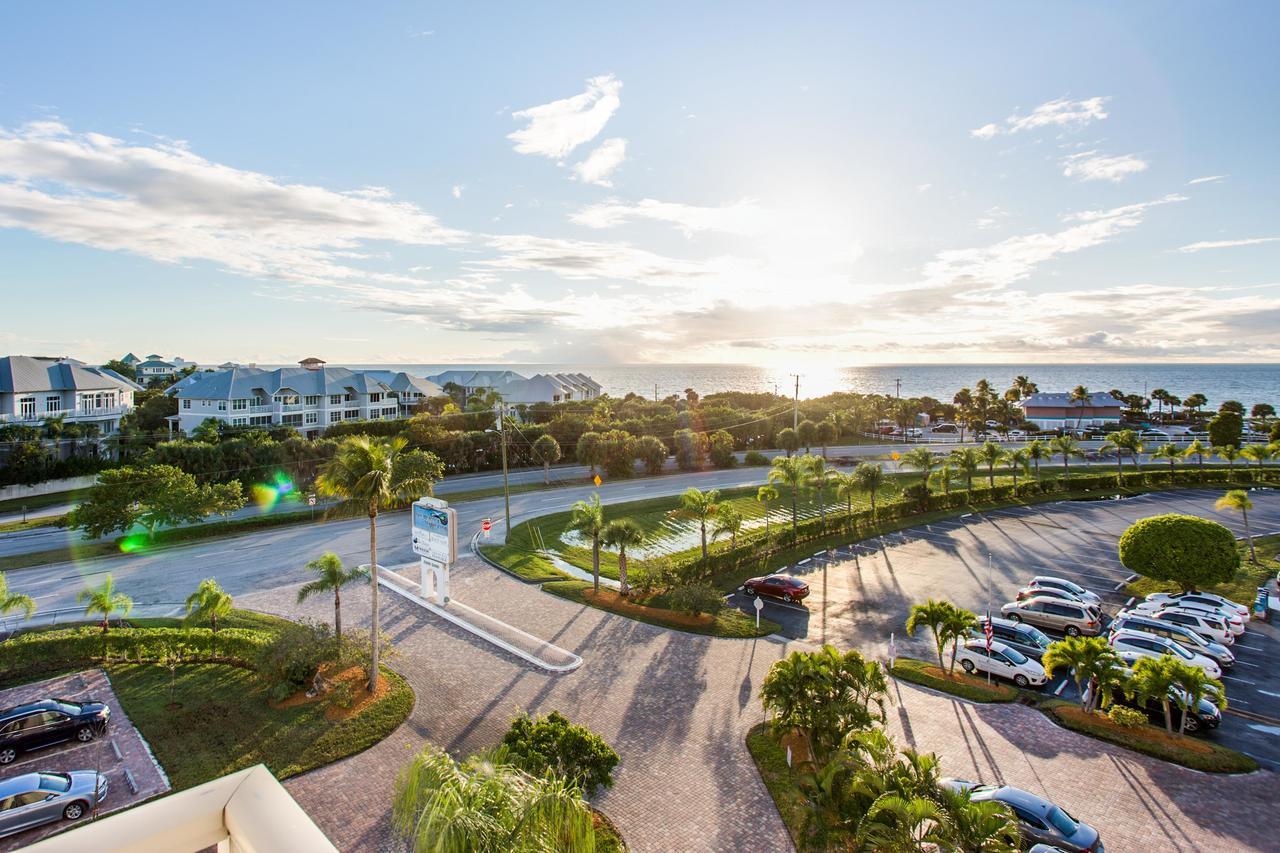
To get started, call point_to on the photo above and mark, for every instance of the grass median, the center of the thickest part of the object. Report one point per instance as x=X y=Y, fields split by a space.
x=726 y=623
x=971 y=687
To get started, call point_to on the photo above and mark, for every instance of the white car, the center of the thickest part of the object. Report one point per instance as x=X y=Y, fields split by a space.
x=1200 y=599
x=1210 y=627
x=915 y=432
x=1050 y=582
x=1233 y=623
x=1131 y=645
x=1003 y=661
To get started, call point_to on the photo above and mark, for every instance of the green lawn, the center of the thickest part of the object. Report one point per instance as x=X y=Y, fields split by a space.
x=781 y=781
x=1243 y=588
x=223 y=724
x=971 y=687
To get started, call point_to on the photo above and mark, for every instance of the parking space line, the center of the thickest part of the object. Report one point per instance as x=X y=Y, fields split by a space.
x=1246 y=663
x=1237 y=678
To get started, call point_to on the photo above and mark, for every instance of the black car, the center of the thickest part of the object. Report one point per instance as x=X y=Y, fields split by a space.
x=1028 y=639
x=49 y=721
x=1204 y=716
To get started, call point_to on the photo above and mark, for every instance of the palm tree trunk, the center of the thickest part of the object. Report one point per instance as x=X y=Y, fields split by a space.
x=1168 y=717
x=794 y=511
x=704 y=538
x=374 y=636
x=337 y=616
x=595 y=562
x=622 y=571
x=1253 y=556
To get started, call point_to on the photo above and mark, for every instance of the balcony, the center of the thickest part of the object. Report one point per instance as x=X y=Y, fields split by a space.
x=297 y=407
x=68 y=414
x=261 y=410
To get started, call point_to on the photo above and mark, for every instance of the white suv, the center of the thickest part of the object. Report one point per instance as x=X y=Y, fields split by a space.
x=1199 y=599
x=1233 y=624
x=1003 y=661
x=1131 y=645
x=1206 y=625
x=1047 y=582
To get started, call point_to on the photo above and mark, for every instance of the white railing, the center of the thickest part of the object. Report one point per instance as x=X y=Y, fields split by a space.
x=261 y=410
x=69 y=414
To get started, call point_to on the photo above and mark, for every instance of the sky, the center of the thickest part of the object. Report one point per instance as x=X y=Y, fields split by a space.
x=778 y=184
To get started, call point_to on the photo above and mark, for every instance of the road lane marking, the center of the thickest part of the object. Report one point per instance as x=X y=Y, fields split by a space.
x=1237 y=678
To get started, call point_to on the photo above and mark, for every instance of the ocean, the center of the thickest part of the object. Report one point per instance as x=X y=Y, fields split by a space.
x=1248 y=383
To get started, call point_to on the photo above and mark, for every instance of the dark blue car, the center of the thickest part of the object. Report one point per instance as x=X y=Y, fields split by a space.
x=48 y=721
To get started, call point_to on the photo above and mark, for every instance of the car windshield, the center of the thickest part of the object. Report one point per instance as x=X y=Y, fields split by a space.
x=1014 y=655
x=68 y=707
x=1062 y=821
x=1035 y=636
x=1179 y=651
x=55 y=782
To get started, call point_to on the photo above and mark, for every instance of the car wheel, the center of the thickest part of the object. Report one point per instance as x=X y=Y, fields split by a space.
x=1021 y=680
x=747 y=590
x=84 y=734
x=74 y=811
x=7 y=755
x=786 y=596
x=1015 y=616
x=1072 y=631
x=967 y=666
x=1192 y=725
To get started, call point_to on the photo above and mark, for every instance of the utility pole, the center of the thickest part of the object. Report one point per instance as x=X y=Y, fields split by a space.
x=795 y=409
x=655 y=392
x=500 y=411
x=898 y=388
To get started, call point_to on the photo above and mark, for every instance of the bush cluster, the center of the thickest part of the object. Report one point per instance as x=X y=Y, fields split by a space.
x=1128 y=718
x=552 y=744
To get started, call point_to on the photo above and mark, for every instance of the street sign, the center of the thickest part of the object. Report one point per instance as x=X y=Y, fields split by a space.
x=486 y=526
x=597 y=480
x=435 y=530
x=311 y=500
x=759 y=607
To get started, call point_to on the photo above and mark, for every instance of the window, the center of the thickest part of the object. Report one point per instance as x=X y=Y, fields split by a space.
x=352 y=414
x=375 y=415
x=239 y=422
x=313 y=417
x=52 y=404
x=291 y=420
x=222 y=405
x=239 y=405
x=260 y=420
x=312 y=400
x=27 y=407
x=27 y=799
x=186 y=404
x=334 y=417
x=335 y=399
x=375 y=397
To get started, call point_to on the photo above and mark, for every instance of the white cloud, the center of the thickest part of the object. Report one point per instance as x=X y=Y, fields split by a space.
x=457 y=190
x=1056 y=113
x=165 y=203
x=923 y=188
x=601 y=162
x=557 y=128
x=741 y=217
x=579 y=259
x=1092 y=166
x=1207 y=179
x=1226 y=244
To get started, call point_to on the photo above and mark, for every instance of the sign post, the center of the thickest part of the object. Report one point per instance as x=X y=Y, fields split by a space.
x=435 y=541
x=759 y=607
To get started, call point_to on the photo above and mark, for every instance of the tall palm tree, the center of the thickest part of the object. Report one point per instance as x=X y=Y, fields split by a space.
x=487 y=804
x=1237 y=500
x=870 y=478
x=1066 y=447
x=700 y=506
x=922 y=460
x=587 y=518
x=792 y=472
x=982 y=826
x=1080 y=396
x=934 y=614
x=967 y=461
x=1086 y=657
x=955 y=629
x=624 y=533
x=1190 y=686
x=1153 y=678
x=944 y=476
x=210 y=601
x=1198 y=449
x=895 y=822
x=766 y=495
x=106 y=600
x=367 y=475
x=963 y=401
x=1161 y=396
x=1124 y=441
x=1016 y=460
x=11 y=601
x=1230 y=453
x=1024 y=386
x=546 y=450
x=820 y=477
x=331 y=576
x=990 y=453
x=1037 y=450
x=728 y=523
x=1169 y=451
x=1259 y=453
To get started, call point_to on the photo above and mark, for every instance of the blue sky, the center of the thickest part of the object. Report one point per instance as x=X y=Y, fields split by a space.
x=834 y=184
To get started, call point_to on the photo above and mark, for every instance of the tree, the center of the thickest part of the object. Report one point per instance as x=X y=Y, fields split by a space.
x=826 y=434
x=1198 y=449
x=210 y=602
x=700 y=506
x=1153 y=678
x=489 y=805
x=1122 y=442
x=11 y=601
x=1230 y=454
x=944 y=476
x=824 y=695
x=151 y=496
x=1237 y=500
x=1235 y=407
x=1262 y=411
x=766 y=495
x=954 y=629
x=208 y=431
x=895 y=822
x=1088 y=658
x=806 y=432
x=922 y=460
x=1016 y=460
x=1190 y=685
x=125 y=370
x=652 y=453
x=966 y=460
x=331 y=576
x=1161 y=397
x=587 y=518
x=1194 y=402
x=1037 y=450
x=1258 y=453
x=820 y=477
x=546 y=451
x=934 y=614
x=728 y=522
x=1024 y=387
x=1080 y=396
x=870 y=478
x=623 y=533
x=792 y=472
x=720 y=448
x=691 y=449
x=618 y=453
x=552 y=744
x=788 y=440
x=1187 y=550
x=990 y=453
x=1066 y=447
x=104 y=599
x=589 y=450
x=981 y=826
x=1226 y=428
x=1169 y=451
x=367 y=475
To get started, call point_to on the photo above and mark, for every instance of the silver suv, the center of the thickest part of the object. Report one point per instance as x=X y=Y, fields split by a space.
x=1072 y=618
x=1185 y=637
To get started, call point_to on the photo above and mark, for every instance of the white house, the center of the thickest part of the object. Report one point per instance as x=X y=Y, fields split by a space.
x=33 y=389
x=1059 y=411
x=514 y=388
x=154 y=367
x=409 y=390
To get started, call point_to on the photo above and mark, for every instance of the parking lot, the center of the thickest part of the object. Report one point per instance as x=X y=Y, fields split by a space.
x=121 y=755
x=861 y=594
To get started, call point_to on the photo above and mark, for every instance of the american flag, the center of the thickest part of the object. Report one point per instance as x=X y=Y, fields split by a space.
x=986 y=630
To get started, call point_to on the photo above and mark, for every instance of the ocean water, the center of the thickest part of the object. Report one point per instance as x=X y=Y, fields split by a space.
x=1248 y=383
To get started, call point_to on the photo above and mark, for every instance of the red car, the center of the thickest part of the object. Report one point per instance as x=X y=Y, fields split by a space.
x=779 y=586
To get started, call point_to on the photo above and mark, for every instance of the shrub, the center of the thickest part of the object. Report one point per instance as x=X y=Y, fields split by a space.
x=1184 y=549
x=755 y=457
x=290 y=661
x=917 y=493
x=342 y=695
x=652 y=452
x=1225 y=429
x=1128 y=718
x=552 y=743
x=696 y=598
x=721 y=449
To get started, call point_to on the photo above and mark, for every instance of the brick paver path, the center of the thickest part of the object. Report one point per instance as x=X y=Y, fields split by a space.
x=677 y=708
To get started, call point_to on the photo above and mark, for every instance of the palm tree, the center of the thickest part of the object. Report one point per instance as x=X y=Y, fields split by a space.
x=766 y=495
x=1237 y=500
x=700 y=506
x=990 y=453
x=587 y=518
x=1024 y=386
x=486 y=803
x=728 y=521
x=870 y=478
x=1037 y=450
x=1080 y=396
x=1259 y=453
x=966 y=460
x=826 y=433
x=624 y=533
x=1066 y=447
x=105 y=600
x=982 y=826
x=954 y=629
x=11 y=601
x=1198 y=449
x=1086 y=657
x=1015 y=460
x=895 y=822
x=367 y=475
x=1153 y=678
x=921 y=459
x=935 y=614
x=787 y=440
x=1190 y=686
x=943 y=476
x=963 y=401
x=1125 y=440
x=331 y=576
x=792 y=472
x=1230 y=453
x=820 y=476
x=209 y=601
x=546 y=450
x=1169 y=451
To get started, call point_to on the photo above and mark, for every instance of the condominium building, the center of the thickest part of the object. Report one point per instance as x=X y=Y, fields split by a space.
x=516 y=389
x=34 y=389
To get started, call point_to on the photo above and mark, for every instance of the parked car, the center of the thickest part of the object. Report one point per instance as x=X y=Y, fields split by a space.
x=1040 y=821
x=786 y=587
x=1049 y=592
x=1073 y=618
x=49 y=721
x=945 y=429
x=1028 y=639
x=34 y=799
x=1132 y=645
x=1233 y=624
x=1050 y=582
x=1199 y=599
x=1003 y=661
x=1204 y=715
x=914 y=432
x=1126 y=621
x=1207 y=626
